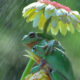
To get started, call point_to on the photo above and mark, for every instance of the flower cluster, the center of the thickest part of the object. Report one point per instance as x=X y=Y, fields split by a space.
x=59 y=17
x=40 y=75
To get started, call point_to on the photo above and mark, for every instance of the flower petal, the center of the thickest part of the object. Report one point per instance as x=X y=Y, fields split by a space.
x=70 y=28
x=29 y=12
x=54 y=21
x=30 y=6
x=36 y=19
x=49 y=7
x=63 y=28
x=73 y=17
x=49 y=27
x=59 y=12
x=42 y=22
x=40 y=6
x=48 y=11
x=78 y=27
x=54 y=31
x=31 y=17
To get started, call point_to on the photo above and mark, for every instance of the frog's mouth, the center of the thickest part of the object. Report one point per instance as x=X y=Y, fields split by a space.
x=32 y=56
x=31 y=44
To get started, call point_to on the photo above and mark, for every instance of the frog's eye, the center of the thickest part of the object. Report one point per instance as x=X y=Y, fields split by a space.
x=32 y=35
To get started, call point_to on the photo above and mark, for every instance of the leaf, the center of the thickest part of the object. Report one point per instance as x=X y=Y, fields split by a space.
x=63 y=28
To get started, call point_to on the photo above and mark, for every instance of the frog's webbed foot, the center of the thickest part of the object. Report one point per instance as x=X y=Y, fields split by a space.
x=53 y=45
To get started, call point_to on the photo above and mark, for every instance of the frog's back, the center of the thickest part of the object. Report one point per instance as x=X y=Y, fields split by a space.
x=58 y=61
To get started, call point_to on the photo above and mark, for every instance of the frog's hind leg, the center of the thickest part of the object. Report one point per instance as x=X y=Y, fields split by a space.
x=56 y=75
x=35 y=69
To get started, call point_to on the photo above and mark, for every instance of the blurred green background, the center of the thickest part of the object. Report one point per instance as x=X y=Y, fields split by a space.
x=13 y=27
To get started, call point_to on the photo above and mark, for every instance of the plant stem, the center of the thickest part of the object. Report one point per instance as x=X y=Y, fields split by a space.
x=27 y=69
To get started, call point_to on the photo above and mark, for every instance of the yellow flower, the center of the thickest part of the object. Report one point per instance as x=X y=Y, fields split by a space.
x=40 y=75
x=62 y=19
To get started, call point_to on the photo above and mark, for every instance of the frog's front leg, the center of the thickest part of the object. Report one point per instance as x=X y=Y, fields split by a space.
x=53 y=45
x=36 y=68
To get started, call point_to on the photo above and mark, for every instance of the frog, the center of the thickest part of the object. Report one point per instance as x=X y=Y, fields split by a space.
x=57 y=64
x=46 y=41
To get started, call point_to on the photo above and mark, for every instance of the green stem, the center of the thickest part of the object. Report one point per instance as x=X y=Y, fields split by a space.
x=46 y=25
x=27 y=69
